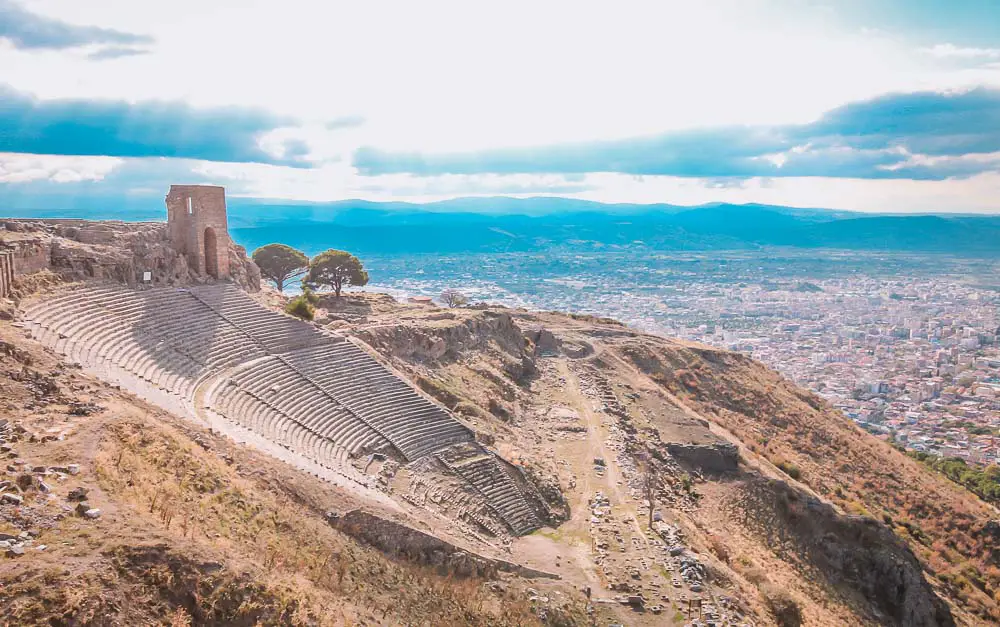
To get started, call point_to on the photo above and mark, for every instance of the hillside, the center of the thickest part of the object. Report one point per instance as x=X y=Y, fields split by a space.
x=673 y=481
x=952 y=532
x=635 y=395
x=190 y=528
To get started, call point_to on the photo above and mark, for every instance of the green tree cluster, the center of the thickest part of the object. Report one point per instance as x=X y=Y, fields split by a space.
x=332 y=269
x=279 y=263
x=335 y=269
x=983 y=482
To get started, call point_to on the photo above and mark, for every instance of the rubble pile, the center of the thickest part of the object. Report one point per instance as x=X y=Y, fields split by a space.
x=26 y=488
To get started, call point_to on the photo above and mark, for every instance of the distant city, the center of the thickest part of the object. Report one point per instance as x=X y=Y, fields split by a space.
x=906 y=346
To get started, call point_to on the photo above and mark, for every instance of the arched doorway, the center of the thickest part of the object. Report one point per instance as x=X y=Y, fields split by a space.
x=211 y=253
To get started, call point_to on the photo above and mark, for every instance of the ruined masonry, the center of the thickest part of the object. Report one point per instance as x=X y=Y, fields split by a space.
x=6 y=273
x=310 y=391
x=300 y=387
x=20 y=255
x=197 y=223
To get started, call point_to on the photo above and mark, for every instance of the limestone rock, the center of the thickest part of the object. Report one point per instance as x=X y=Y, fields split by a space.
x=545 y=342
x=718 y=457
x=447 y=342
x=78 y=250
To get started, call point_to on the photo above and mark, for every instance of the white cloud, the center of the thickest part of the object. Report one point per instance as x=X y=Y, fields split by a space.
x=395 y=186
x=321 y=143
x=977 y=194
x=954 y=165
x=453 y=75
x=75 y=175
x=21 y=168
x=338 y=180
x=951 y=51
x=450 y=75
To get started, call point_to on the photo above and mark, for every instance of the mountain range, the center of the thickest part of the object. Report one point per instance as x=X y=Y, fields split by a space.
x=505 y=224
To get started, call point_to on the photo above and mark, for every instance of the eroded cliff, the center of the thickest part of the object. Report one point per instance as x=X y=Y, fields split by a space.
x=77 y=250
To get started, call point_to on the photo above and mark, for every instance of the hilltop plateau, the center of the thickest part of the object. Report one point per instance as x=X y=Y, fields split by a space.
x=663 y=481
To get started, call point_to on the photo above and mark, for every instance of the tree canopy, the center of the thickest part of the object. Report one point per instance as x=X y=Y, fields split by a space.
x=453 y=298
x=335 y=269
x=983 y=482
x=279 y=263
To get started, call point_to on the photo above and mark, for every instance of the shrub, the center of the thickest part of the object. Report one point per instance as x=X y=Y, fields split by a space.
x=686 y=482
x=311 y=297
x=858 y=508
x=754 y=574
x=972 y=574
x=453 y=298
x=783 y=607
x=300 y=307
x=719 y=548
x=789 y=469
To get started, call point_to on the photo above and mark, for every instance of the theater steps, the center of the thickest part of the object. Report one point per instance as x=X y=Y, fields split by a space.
x=296 y=385
x=481 y=468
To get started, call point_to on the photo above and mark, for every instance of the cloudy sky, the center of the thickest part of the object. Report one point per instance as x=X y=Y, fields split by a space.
x=872 y=105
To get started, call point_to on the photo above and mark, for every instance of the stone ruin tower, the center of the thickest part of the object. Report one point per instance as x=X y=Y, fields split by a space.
x=196 y=221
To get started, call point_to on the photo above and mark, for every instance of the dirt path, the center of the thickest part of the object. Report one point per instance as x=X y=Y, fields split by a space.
x=588 y=482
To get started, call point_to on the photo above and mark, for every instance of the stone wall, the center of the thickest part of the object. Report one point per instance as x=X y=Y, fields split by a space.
x=30 y=254
x=192 y=247
x=6 y=273
x=400 y=541
x=198 y=227
x=20 y=253
x=714 y=458
x=80 y=250
x=31 y=259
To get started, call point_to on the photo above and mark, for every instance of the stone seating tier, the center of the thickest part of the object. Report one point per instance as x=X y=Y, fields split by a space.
x=301 y=387
x=480 y=468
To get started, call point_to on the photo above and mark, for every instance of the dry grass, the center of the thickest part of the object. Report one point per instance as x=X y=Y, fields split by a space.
x=718 y=548
x=940 y=521
x=187 y=538
x=180 y=511
x=208 y=545
x=311 y=570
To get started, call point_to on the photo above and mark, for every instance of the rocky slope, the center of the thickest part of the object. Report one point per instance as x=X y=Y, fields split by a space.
x=675 y=481
x=119 y=251
x=950 y=530
x=772 y=489
x=113 y=512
